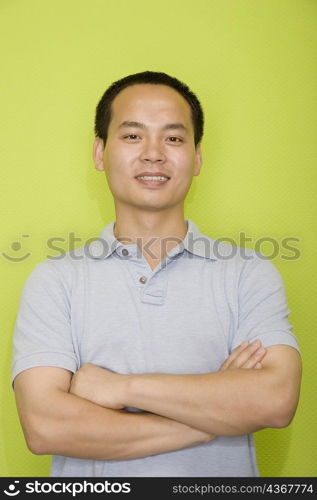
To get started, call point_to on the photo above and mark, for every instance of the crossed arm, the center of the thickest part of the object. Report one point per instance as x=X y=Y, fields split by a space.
x=232 y=401
x=83 y=416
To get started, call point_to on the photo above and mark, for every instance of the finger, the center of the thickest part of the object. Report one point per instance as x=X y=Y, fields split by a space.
x=234 y=354
x=238 y=350
x=255 y=358
x=247 y=353
x=258 y=366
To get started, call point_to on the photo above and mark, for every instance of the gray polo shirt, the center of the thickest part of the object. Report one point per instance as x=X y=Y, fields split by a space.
x=103 y=304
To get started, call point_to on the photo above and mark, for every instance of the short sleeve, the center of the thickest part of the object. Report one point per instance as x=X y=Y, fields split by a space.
x=263 y=310
x=42 y=334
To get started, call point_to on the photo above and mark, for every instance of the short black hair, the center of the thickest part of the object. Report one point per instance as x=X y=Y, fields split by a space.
x=103 y=110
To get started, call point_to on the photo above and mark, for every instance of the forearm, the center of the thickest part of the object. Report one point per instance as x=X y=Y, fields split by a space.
x=223 y=403
x=75 y=427
x=248 y=393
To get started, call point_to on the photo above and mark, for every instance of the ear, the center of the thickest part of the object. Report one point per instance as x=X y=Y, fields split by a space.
x=198 y=160
x=98 y=150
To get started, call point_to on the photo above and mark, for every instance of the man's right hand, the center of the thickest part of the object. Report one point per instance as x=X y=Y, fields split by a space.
x=245 y=356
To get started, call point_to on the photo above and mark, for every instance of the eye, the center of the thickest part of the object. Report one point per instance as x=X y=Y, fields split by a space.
x=131 y=136
x=175 y=139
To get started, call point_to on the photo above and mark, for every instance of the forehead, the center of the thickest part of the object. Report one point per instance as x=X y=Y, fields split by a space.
x=150 y=102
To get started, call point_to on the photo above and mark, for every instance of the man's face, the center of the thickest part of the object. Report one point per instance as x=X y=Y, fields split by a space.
x=151 y=133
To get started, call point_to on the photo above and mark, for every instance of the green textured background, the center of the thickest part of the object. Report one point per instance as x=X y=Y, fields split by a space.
x=252 y=64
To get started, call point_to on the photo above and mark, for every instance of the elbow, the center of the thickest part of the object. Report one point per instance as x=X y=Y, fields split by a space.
x=282 y=419
x=37 y=439
x=283 y=411
x=36 y=446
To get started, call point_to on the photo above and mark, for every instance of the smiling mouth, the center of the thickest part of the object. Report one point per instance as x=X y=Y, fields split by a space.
x=152 y=180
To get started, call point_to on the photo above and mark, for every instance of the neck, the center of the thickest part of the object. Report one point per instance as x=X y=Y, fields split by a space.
x=156 y=232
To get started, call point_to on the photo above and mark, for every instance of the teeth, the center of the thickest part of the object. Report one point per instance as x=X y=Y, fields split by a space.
x=152 y=178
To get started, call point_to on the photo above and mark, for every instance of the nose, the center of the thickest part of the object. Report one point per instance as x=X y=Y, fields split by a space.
x=152 y=152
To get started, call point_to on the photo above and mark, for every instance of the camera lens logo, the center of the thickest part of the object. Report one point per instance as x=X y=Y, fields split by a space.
x=12 y=490
x=16 y=246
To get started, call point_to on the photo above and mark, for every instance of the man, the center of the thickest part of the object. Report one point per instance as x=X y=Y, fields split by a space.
x=153 y=351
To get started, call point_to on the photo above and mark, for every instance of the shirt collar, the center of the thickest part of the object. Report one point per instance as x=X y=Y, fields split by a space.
x=194 y=242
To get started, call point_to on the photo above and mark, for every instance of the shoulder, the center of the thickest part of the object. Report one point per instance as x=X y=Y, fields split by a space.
x=243 y=266
x=62 y=270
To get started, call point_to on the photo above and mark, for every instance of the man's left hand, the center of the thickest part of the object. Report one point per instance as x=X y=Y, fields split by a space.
x=99 y=385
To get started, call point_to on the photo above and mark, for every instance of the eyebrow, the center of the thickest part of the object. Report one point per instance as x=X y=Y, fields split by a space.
x=168 y=126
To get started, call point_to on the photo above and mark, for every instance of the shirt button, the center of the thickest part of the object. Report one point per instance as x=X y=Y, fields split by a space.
x=143 y=280
x=125 y=252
